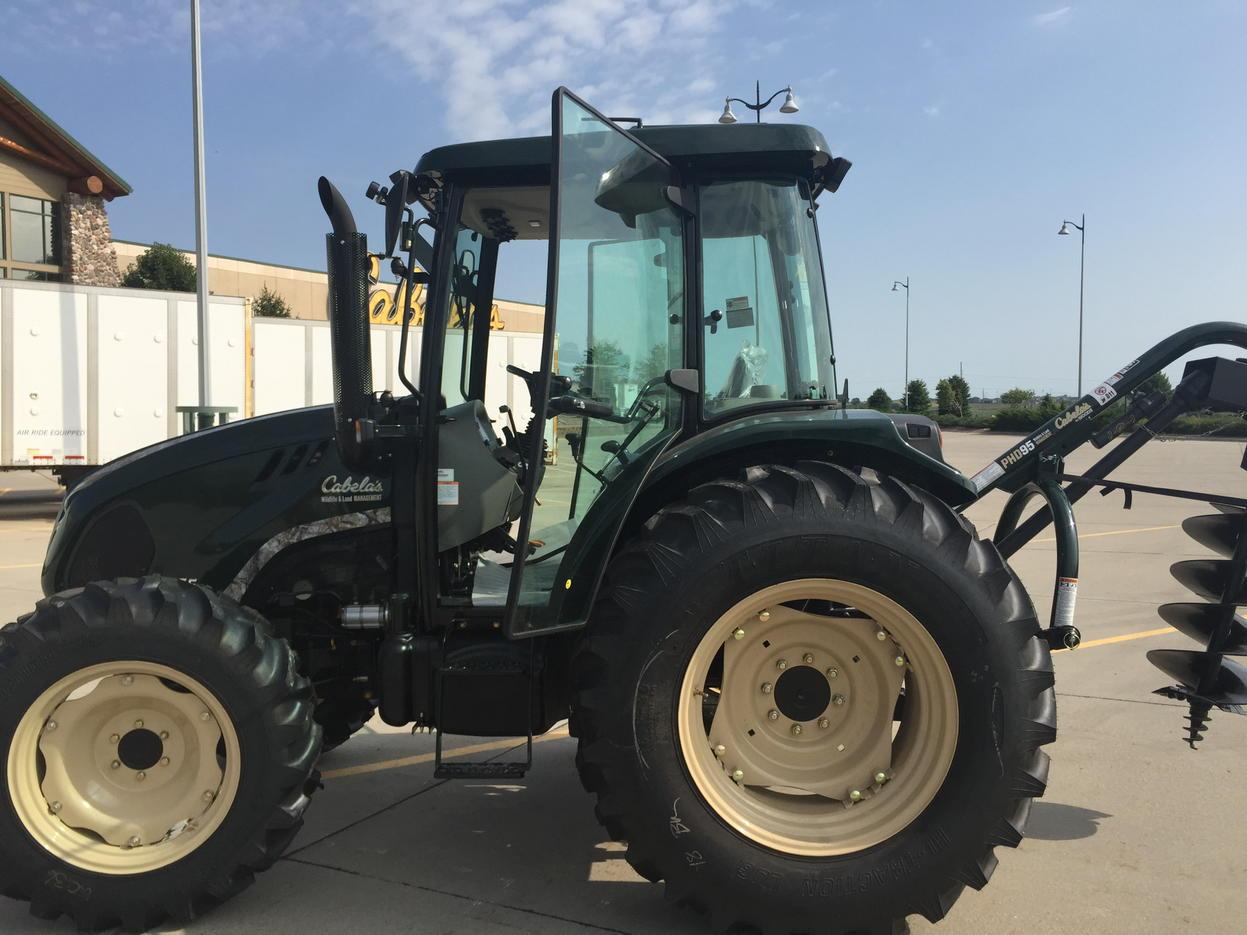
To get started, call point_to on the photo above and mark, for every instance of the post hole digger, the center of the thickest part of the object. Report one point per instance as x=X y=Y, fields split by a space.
x=806 y=693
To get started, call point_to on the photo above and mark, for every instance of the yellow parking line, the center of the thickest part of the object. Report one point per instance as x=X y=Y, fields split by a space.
x=366 y=768
x=1116 y=532
x=1124 y=638
x=12 y=567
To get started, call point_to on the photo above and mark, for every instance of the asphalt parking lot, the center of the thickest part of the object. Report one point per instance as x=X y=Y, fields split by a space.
x=1137 y=833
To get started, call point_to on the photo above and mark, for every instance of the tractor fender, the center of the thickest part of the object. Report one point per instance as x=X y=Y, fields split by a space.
x=853 y=438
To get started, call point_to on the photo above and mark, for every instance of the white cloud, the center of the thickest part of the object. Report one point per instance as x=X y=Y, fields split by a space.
x=1052 y=17
x=491 y=63
x=933 y=110
x=494 y=62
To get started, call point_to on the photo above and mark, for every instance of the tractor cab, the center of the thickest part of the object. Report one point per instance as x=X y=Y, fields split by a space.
x=684 y=290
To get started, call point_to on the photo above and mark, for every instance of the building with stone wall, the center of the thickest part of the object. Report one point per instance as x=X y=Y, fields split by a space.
x=53 y=198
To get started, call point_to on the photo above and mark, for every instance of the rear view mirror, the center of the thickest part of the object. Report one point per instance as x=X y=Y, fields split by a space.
x=395 y=203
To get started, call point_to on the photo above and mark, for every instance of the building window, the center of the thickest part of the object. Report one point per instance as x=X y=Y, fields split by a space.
x=30 y=238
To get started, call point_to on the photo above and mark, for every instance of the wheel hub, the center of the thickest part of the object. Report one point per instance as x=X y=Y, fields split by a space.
x=802 y=694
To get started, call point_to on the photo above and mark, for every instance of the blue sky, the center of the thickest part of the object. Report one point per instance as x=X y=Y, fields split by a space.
x=974 y=129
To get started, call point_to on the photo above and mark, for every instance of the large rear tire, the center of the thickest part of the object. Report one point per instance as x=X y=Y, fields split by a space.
x=812 y=701
x=158 y=749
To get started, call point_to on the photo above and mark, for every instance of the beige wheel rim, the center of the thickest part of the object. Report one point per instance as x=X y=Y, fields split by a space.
x=818 y=717
x=124 y=767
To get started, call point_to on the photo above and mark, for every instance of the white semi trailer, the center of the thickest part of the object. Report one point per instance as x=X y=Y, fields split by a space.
x=90 y=374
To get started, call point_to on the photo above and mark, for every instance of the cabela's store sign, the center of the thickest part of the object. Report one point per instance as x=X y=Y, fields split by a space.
x=383 y=311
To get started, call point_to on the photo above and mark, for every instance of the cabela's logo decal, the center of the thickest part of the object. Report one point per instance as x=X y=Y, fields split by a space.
x=350 y=489
x=1082 y=410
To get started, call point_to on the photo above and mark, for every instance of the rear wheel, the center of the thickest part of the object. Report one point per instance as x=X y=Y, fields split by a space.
x=812 y=701
x=158 y=747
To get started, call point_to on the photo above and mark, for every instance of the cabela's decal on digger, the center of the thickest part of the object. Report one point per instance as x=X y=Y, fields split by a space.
x=350 y=489
x=1081 y=411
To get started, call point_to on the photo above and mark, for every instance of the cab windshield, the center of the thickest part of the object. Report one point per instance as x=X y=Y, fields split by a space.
x=768 y=334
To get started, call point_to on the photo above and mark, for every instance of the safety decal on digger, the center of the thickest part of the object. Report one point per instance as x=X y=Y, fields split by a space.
x=1066 y=598
x=986 y=476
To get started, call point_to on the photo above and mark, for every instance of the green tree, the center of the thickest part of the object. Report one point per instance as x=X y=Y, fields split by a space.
x=919 y=396
x=1158 y=382
x=946 y=399
x=268 y=304
x=879 y=400
x=604 y=365
x=161 y=266
x=1018 y=396
x=961 y=390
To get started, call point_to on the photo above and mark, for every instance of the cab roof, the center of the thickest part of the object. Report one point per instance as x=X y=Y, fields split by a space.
x=747 y=147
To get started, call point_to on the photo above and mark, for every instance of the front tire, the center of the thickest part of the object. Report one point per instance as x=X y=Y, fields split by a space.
x=159 y=748
x=768 y=812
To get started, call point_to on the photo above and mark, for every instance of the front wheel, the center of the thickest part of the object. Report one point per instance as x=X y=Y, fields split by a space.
x=812 y=700
x=158 y=748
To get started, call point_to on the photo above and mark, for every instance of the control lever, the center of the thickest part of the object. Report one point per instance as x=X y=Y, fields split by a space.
x=506 y=411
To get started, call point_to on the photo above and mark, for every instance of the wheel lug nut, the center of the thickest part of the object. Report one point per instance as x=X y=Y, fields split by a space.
x=823 y=723
x=808 y=659
x=205 y=716
x=115 y=764
x=719 y=750
x=837 y=700
x=764 y=616
x=781 y=664
x=796 y=730
x=881 y=636
x=767 y=688
x=881 y=777
x=164 y=735
x=50 y=726
x=134 y=841
x=164 y=761
x=138 y=723
x=738 y=775
x=833 y=673
x=114 y=738
x=140 y=775
x=773 y=714
x=55 y=808
x=839 y=748
x=738 y=633
x=900 y=660
x=855 y=796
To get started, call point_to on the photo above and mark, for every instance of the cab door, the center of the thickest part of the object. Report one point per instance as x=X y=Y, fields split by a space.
x=615 y=309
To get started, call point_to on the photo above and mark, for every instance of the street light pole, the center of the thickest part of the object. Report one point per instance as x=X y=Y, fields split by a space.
x=1082 y=271
x=788 y=107
x=201 y=215
x=905 y=285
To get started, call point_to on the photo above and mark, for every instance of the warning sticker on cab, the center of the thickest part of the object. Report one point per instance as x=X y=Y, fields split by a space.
x=447 y=487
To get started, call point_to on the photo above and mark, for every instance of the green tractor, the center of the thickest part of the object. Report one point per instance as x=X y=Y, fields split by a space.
x=806 y=693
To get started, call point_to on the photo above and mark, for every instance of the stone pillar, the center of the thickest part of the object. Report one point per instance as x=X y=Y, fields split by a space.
x=87 y=254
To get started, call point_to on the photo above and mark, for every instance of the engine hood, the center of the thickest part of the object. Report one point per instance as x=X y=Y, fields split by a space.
x=200 y=505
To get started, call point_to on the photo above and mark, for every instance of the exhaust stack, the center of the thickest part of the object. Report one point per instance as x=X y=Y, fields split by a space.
x=350 y=338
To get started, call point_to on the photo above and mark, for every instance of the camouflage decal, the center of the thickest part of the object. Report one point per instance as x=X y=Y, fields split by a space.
x=288 y=537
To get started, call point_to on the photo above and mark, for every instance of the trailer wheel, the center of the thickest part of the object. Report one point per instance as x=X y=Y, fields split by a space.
x=812 y=700
x=159 y=749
